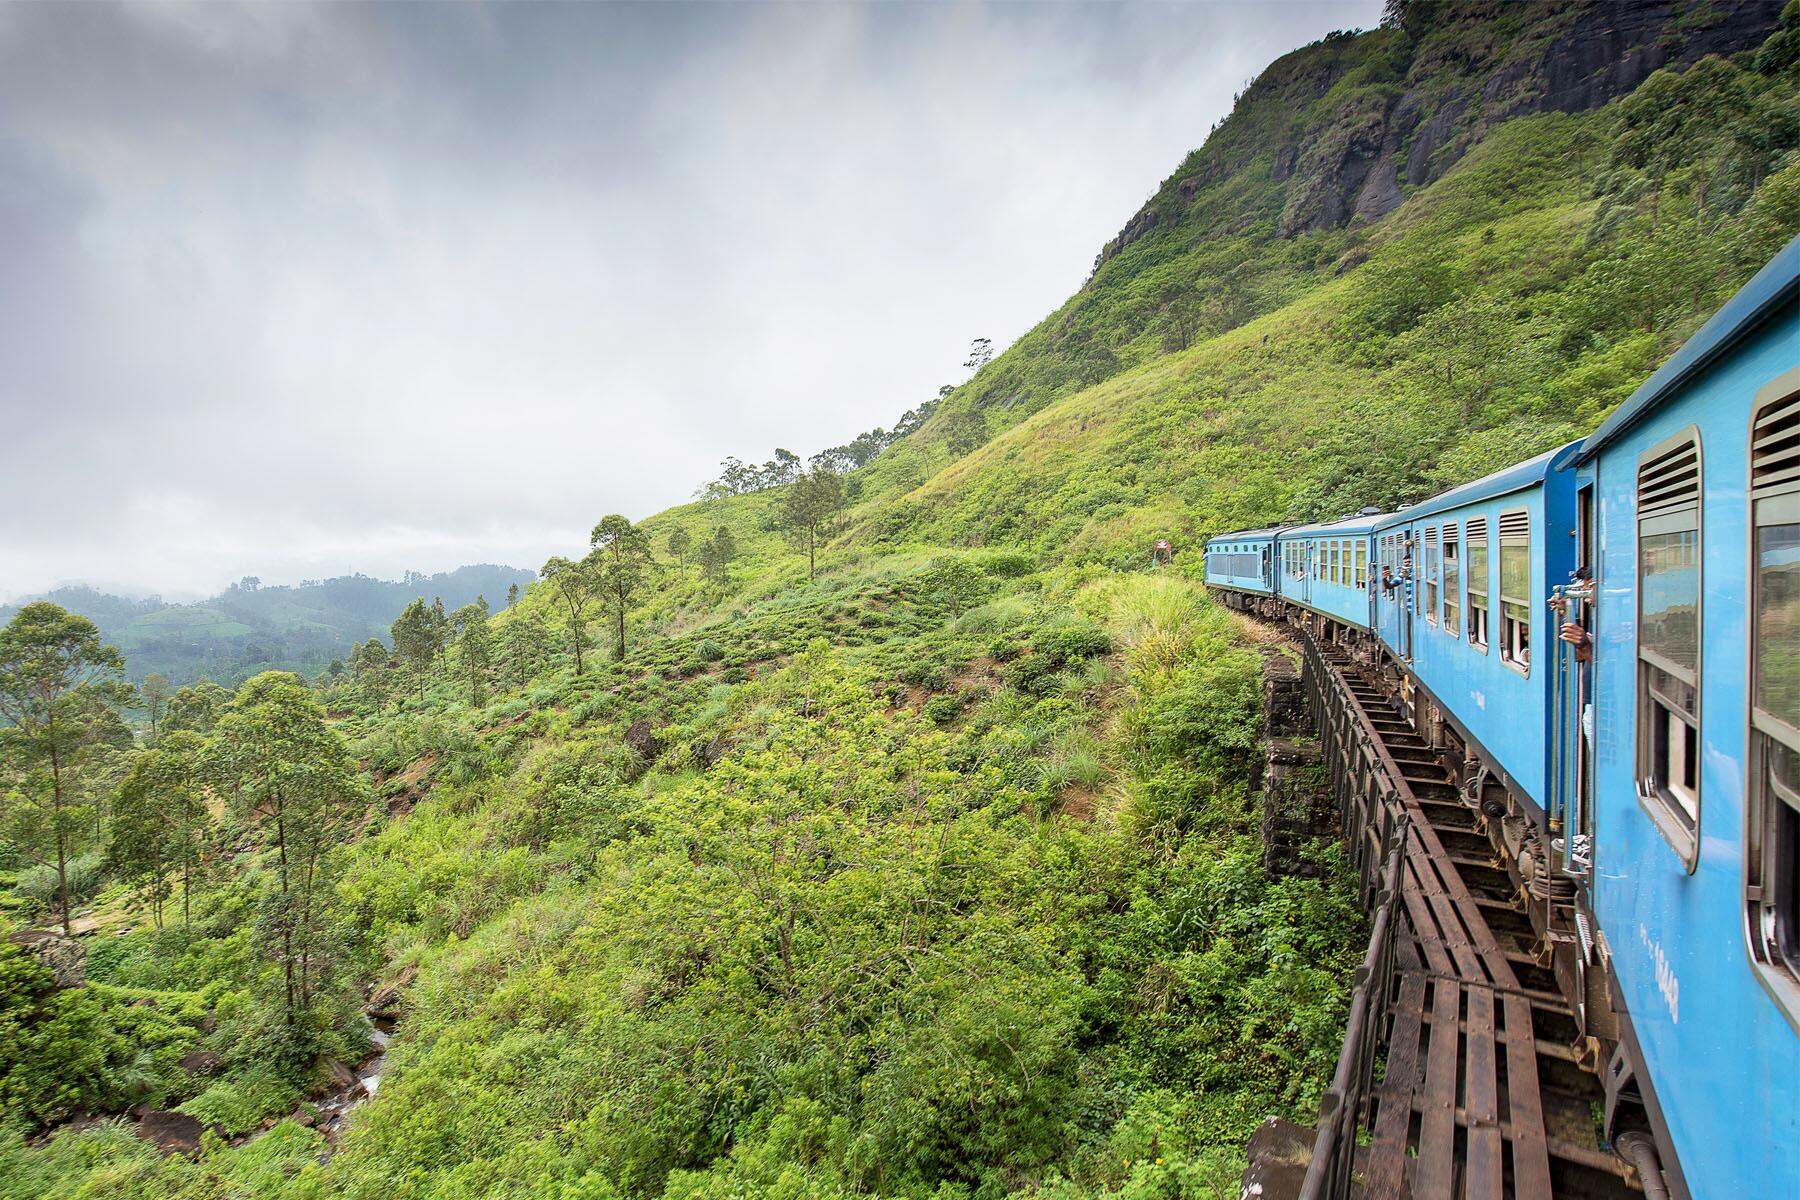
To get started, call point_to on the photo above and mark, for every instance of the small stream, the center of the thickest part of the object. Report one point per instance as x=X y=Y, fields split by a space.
x=337 y=1106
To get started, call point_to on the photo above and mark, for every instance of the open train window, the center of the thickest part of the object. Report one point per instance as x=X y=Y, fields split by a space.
x=1515 y=589
x=1772 y=815
x=1668 y=639
x=1477 y=545
x=1430 y=570
x=1452 y=582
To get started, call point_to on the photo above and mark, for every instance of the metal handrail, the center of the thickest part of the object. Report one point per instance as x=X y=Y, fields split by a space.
x=1373 y=818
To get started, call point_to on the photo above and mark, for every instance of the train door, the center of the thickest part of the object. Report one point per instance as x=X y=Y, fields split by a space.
x=1307 y=564
x=1409 y=592
x=1571 y=748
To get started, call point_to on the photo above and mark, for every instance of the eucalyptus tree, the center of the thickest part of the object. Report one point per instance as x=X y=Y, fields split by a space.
x=525 y=644
x=622 y=564
x=474 y=647
x=160 y=822
x=59 y=686
x=680 y=542
x=287 y=772
x=715 y=555
x=155 y=693
x=574 y=586
x=811 y=504
x=418 y=634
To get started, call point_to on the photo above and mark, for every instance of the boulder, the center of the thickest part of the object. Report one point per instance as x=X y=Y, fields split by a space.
x=64 y=956
x=337 y=1076
x=640 y=738
x=201 y=1062
x=303 y=1117
x=384 y=1001
x=172 y=1132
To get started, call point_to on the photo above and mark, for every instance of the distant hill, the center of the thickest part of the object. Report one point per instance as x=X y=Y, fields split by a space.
x=250 y=627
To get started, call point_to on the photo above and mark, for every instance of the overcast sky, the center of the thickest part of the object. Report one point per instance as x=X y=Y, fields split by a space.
x=293 y=291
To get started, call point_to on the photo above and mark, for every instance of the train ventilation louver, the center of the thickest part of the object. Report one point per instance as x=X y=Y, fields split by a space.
x=1775 y=446
x=1513 y=526
x=1670 y=481
x=1477 y=531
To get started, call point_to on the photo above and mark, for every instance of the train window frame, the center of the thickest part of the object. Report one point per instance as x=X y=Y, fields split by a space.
x=1450 y=550
x=1475 y=536
x=1515 y=633
x=1772 y=752
x=1429 y=571
x=1667 y=693
x=1362 y=564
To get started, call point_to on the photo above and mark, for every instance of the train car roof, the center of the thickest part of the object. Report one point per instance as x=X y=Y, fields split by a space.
x=1776 y=285
x=1361 y=523
x=1515 y=478
x=1246 y=535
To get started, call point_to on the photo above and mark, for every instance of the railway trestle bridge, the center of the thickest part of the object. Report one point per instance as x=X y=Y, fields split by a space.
x=1465 y=1071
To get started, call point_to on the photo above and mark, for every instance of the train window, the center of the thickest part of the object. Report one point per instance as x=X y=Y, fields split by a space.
x=1668 y=639
x=1452 y=583
x=1337 y=550
x=1772 y=817
x=1362 y=564
x=1429 y=568
x=1477 y=545
x=1515 y=589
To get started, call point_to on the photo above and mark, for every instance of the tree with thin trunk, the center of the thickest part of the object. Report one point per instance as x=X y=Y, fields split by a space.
x=474 y=647
x=289 y=773
x=58 y=683
x=160 y=824
x=811 y=504
x=574 y=586
x=680 y=542
x=155 y=691
x=622 y=563
x=715 y=555
x=418 y=639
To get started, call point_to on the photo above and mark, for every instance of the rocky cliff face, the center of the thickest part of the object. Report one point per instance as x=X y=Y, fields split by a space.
x=1355 y=122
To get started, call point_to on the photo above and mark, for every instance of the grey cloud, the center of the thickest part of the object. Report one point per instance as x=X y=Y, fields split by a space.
x=288 y=289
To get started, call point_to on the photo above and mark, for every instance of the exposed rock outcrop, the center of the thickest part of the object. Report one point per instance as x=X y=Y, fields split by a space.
x=1356 y=121
x=64 y=956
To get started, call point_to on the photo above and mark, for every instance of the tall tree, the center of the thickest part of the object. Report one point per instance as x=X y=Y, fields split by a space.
x=512 y=595
x=809 y=507
x=526 y=644
x=58 y=683
x=474 y=647
x=715 y=555
x=680 y=542
x=155 y=692
x=160 y=821
x=288 y=772
x=622 y=562
x=981 y=352
x=574 y=584
x=418 y=637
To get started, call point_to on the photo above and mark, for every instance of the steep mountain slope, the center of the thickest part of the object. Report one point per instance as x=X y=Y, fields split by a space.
x=1470 y=234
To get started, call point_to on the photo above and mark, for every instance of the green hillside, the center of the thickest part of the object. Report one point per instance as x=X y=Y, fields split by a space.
x=936 y=875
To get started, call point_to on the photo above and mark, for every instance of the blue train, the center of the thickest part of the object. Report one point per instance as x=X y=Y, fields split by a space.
x=1655 y=749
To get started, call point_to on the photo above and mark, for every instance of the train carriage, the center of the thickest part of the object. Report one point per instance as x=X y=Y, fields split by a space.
x=1243 y=561
x=1693 y=486
x=1462 y=612
x=1326 y=568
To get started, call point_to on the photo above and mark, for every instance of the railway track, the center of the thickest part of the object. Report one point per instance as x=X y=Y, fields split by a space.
x=1481 y=1093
